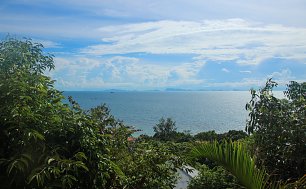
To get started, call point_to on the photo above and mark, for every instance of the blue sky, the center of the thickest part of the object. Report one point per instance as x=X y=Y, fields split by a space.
x=149 y=45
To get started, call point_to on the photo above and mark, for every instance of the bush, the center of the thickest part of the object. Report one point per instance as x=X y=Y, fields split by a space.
x=215 y=178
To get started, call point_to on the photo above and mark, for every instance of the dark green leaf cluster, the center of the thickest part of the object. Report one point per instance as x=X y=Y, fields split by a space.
x=165 y=129
x=147 y=168
x=232 y=135
x=206 y=136
x=279 y=129
x=216 y=178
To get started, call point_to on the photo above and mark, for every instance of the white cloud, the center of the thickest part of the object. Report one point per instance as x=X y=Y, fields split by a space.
x=218 y=40
x=83 y=73
x=245 y=82
x=122 y=72
x=245 y=71
x=201 y=28
x=283 y=76
x=225 y=70
x=47 y=43
x=80 y=19
x=272 y=11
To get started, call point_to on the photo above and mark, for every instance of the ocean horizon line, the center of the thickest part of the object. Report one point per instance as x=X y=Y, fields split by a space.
x=156 y=90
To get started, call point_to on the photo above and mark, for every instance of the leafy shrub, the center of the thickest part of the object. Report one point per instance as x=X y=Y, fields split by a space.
x=215 y=178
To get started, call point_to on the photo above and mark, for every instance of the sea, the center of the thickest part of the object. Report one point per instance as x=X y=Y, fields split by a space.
x=193 y=111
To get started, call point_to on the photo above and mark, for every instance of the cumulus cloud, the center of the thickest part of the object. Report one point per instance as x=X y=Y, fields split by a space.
x=122 y=72
x=219 y=40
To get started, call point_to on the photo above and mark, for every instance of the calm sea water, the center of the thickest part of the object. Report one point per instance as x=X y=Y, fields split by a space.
x=195 y=111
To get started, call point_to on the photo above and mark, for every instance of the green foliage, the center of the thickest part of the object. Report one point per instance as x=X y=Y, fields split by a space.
x=165 y=129
x=143 y=163
x=279 y=129
x=44 y=143
x=234 y=158
x=149 y=165
x=215 y=178
x=232 y=135
x=47 y=144
x=206 y=136
x=181 y=137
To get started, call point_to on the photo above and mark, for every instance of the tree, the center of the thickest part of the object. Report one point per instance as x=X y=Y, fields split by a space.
x=279 y=129
x=43 y=142
x=165 y=129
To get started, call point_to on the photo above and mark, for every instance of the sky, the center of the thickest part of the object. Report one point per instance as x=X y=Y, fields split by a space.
x=164 y=44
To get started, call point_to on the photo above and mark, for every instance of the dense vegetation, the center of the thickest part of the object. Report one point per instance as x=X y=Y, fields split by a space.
x=45 y=143
x=214 y=178
x=279 y=129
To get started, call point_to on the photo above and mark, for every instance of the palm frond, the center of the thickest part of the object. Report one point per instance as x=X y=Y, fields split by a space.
x=234 y=157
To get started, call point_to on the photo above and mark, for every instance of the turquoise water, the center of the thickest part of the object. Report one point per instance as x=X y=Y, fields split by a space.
x=195 y=111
